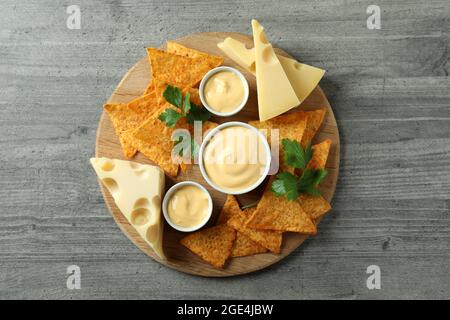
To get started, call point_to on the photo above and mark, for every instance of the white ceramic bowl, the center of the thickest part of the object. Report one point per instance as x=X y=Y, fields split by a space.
x=205 y=143
x=170 y=192
x=202 y=89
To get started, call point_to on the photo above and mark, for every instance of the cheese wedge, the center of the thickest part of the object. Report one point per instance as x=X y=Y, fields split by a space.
x=303 y=78
x=238 y=52
x=275 y=93
x=137 y=191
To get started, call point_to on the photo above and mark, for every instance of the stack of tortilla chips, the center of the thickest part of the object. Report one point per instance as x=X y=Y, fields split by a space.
x=137 y=124
x=260 y=229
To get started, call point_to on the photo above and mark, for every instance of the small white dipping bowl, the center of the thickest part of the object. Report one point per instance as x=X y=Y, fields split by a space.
x=169 y=194
x=202 y=91
x=208 y=138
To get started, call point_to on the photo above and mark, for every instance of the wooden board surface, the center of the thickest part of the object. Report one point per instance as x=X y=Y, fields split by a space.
x=107 y=145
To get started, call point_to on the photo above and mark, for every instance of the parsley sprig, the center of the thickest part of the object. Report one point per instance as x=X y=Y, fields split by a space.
x=292 y=185
x=191 y=111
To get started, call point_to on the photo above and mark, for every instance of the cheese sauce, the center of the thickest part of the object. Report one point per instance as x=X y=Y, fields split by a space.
x=224 y=91
x=235 y=158
x=188 y=206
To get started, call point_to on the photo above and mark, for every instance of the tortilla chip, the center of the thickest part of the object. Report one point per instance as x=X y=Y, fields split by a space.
x=244 y=246
x=314 y=121
x=124 y=118
x=176 y=48
x=266 y=238
x=180 y=71
x=320 y=155
x=290 y=126
x=314 y=206
x=280 y=214
x=154 y=140
x=214 y=245
x=150 y=88
x=160 y=86
x=146 y=104
x=229 y=209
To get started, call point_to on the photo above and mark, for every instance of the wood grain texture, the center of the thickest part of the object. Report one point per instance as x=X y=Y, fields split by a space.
x=132 y=85
x=389 y=91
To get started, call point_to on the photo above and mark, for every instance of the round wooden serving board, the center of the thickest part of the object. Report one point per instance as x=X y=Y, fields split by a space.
x=133 y=85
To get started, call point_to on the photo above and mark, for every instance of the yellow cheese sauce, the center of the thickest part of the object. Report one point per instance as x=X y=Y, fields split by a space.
x=235 y=158
x=224 y=91
x=188 y=206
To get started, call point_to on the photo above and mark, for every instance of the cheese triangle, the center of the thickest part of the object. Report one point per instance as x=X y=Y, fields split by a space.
x=275 y=93
x=303 y=78
x=137 y=191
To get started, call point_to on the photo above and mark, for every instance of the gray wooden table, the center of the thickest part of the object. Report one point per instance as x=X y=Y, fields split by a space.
x=390 y=92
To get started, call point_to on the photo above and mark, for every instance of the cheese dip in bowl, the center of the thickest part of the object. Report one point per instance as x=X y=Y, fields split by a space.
x=187 y=206
x=224 y=91
x=234 y=158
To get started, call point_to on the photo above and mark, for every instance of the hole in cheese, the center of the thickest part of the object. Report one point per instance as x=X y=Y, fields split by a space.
x=111 y=185
x=135 y=166
x=140 y=216
x=263 y=38
x=156 y=201
x=141 y=203
x=107 y=166
x=268 y=56
x=152 y=233
x=297 y=65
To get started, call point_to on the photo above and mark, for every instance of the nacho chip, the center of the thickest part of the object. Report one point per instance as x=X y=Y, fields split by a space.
x=280 y=214
x=290 y=126
x=314 y=121
x=180 y=71
x=266 y=238
x=320 y=155
x=146 y=104
x=150 y=88
x=314 y=206
x=229 y=209
x=160 y=86
x=244 y=246
x=123 y=119
x=176 y=48
x=214 y=245
x=154 y=140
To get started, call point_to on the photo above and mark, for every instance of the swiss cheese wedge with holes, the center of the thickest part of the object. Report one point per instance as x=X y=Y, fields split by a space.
x=275 y=92
x=137 y=191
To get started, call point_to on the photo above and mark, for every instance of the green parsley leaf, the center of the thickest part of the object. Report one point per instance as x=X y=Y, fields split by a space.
x=197 y=113
x=286 y=184
x=192 y=112
x=294 y=155
x=173 y=95
x=311 y=190
x=306 y=179
x=319 y=175
x=170 y=117
x=291 y=185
